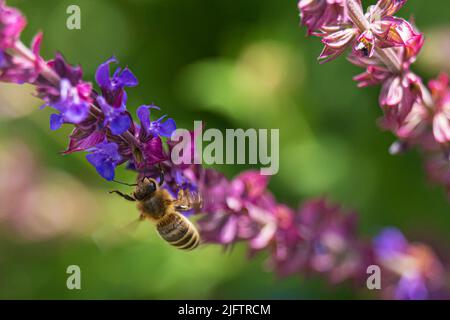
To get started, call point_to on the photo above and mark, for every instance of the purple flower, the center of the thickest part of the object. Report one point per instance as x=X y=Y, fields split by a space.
x=149 y=148
x=330 y=242
x=112 y=87
x=154 y=128
x=120 y=79
x=227 y=228
x=105 y=157
x=152 y=152
x=415 y=270
x=73 y=100
x=246 y=188
x=287 y=256
x=411 y=287
x=2 y=60
x=318 y=237
x=66 y=71
x=71 y=96
x=390 y=243
x=71 y=106
x=114 y=98
x=116 y=119
x=242 y=210
x=12 y=22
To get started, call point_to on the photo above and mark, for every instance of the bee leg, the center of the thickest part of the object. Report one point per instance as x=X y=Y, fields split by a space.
x=125 y=196
x=161 y=176
x=180 y=204
x=182 y=208
x=180 y=194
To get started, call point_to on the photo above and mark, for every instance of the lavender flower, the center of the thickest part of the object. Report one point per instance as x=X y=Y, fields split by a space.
x=71 y=107
x=389 y=243
x=112 y=87
x=71 y=96
x=113 y=101
x=99 y=117
x=105 y=157
x=154 y=128
x=116 y=118
x=411 y=288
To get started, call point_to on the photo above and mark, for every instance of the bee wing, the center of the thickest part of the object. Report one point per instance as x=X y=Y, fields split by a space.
x=108 y=238
x=188 y=200
x=132 y=226
x=195 y=200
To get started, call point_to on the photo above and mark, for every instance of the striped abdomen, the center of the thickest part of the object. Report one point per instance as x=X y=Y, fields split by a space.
x=178 y=231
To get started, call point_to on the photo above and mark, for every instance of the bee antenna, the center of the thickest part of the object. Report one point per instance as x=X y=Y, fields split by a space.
x=161 y=176
x=126 y=184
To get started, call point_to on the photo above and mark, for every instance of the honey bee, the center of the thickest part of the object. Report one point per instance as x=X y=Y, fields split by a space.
x=157 y=205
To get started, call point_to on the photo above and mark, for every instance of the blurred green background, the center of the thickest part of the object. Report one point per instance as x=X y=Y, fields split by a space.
x=233 y=64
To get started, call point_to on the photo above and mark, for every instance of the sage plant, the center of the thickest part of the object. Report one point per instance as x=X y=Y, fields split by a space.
x=386 y=46
x=315 y=238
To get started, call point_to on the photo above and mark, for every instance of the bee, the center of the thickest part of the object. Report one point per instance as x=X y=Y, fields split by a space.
x=159 y=206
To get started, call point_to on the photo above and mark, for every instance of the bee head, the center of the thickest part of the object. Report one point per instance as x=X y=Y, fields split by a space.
x=145 y=189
